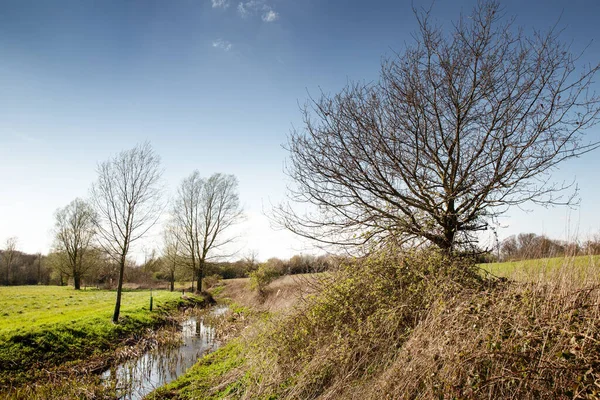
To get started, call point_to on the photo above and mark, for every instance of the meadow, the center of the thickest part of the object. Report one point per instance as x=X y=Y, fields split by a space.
x=43 y=327
x=27 y=308
x=579 y=268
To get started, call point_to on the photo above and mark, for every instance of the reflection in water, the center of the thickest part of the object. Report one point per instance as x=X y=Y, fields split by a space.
x=136 y=378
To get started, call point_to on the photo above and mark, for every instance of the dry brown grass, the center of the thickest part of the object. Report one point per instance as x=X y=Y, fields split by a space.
x=521 y=341
x=417 y=326
x=281 y=294
x=392 y=328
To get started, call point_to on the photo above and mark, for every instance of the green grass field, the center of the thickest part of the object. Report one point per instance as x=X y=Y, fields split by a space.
x=45 y=326
x=582 y=266
x=26 y=308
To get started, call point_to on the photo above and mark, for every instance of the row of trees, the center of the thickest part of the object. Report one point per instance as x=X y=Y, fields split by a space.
x=530 y=246
x=170 y=266
x=18 y=268
x=126 y=201
x=96 y=268
x=298 y=264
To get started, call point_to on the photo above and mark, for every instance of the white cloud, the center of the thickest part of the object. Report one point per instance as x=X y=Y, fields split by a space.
x=254 y=7
x=220 y=4
x=247 y=8
x=270 y=16
x=222 y=44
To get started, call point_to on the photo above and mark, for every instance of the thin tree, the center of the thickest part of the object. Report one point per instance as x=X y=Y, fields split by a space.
x=204 y=210
x=461 y=126
x=74 y=231
x=39 y=268
x=127 y=199
x=172 y=257
x=10 y=255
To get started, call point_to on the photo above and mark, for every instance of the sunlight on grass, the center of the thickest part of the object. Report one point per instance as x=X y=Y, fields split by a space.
x=584 y=268
x=24 y=308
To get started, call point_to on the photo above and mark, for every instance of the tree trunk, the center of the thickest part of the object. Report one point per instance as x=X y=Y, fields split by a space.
x=115 y=318
x=77 y=281
x=448 y=246
x=200 y=275
x=172 y=281
x=39 y=280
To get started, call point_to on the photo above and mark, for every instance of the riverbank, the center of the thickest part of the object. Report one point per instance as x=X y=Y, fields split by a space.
x=280 y=295
x=219 y=374
x=415 y=325
x=50 y=334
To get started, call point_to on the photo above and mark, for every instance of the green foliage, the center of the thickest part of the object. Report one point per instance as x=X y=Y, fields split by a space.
x=260 y=279
x=216 y=291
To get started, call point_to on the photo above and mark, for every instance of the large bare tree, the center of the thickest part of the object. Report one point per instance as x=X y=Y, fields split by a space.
x=74 y=231
x=10 y=255
x=462 y=125
x=204 y=209
x=127 y=199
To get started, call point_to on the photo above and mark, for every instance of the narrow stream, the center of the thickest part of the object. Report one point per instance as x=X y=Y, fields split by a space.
x=137 y=377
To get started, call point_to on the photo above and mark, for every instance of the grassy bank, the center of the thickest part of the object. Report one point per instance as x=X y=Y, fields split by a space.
x=280 y=295
x=215 y=376
x=43 y=327
x=421 y=326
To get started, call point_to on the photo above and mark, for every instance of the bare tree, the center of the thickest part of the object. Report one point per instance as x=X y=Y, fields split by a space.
x=172 y=255
x=250 y=260
x=460 y=127
x=204 y=210
x=509 y=248
x=10 y=255
x=127 y=199
x=74 y=231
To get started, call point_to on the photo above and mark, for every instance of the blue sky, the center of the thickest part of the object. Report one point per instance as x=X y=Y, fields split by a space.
x=214 y=85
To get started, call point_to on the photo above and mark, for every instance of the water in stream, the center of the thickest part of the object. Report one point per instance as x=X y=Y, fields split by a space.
x=137 y=377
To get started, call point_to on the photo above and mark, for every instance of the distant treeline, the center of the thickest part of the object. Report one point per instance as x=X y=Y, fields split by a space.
x=525 y=246
x=19 y=268
x=102 y=271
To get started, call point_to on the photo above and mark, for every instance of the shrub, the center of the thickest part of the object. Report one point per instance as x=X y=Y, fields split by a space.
x=365 y=311
x=260 y=279
x=211 y=281
x=422 y=325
